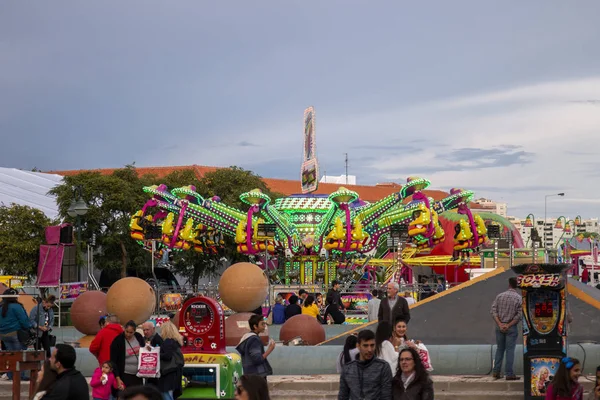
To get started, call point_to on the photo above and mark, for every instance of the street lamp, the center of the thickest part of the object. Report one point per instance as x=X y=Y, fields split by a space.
x=546 y=212
x=77 y=209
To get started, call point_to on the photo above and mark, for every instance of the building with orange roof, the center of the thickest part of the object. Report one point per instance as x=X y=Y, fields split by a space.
x=369 y=193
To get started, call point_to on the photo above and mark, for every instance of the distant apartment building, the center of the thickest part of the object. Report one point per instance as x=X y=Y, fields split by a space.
x=487 y=205
x=550 y=235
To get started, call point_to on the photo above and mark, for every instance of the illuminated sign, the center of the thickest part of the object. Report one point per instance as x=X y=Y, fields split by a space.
x=538 y=280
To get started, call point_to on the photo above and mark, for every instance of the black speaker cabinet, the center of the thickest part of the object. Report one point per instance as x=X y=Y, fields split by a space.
x=66 y=234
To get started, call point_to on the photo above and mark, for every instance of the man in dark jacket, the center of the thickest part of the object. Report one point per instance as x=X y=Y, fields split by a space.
x=334 y=304
x=393 y=307
x=367 y=377
x=293 y=308
x=254 y=356
x=70 y=384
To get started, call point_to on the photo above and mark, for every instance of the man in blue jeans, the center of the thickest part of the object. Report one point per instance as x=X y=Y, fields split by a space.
x=507 y=313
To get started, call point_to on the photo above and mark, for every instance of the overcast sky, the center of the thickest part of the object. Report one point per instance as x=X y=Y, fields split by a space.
x=499 y=97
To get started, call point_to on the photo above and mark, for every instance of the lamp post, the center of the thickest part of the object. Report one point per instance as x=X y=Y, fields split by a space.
x=77 y=209
x=546 y=213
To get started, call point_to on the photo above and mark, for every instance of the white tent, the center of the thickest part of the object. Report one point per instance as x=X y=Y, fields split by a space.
x=29 y=188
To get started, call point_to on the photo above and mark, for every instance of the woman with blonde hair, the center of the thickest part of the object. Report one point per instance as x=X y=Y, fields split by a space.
x=171 y=362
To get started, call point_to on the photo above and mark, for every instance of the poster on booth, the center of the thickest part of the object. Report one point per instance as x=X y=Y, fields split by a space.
x=543 y=370
x=149 y=363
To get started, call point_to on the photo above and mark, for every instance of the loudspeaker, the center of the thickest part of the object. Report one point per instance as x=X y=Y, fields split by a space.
x=69 y=256
x=66 y=234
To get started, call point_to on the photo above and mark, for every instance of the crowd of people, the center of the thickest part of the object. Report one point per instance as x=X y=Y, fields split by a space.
x=117 y=350
x=326 y=311
x=385 y=364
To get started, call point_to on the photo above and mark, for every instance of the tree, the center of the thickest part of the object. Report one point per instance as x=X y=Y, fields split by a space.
x=228 y=184
x=21 y=234
x=112 y=199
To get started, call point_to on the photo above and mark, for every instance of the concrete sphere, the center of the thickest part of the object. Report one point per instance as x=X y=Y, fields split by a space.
x=131 y=299
x=243 y=287
x=175 y=319
x=304 y=326
x=87 y=310
x=85 y=341
x=236 y=326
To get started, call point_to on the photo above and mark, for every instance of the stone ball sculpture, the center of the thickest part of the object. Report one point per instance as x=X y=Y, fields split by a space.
x=243 y=287
x=131 y=299
x=175 y=319
x=236 y=326
x=27 y=301
x=87 y=310
x=304 y=326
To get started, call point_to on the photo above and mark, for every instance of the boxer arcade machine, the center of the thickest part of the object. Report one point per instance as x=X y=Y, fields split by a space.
x=209 y=372
x=544 y=323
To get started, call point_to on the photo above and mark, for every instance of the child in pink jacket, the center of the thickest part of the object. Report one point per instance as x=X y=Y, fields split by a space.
x=103 y=381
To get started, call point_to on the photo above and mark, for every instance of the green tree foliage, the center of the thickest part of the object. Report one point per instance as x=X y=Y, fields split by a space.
x=228 y=184
x=112 y=200
x=21 y=234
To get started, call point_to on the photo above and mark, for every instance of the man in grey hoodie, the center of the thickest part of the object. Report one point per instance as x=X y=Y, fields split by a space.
x=367 y=377
x=252 y=351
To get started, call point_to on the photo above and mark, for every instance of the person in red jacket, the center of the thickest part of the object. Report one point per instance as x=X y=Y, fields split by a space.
x=100 y=346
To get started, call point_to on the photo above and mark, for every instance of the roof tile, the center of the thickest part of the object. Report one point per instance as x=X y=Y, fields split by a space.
x=284 y=186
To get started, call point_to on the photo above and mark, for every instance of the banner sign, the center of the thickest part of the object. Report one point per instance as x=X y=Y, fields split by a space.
x=72 y=290
x=356 y=301
x=309 y=173
x=50 y=265
x=538 y=280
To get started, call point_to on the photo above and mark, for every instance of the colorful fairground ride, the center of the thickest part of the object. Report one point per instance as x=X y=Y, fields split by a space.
x=310 y=239
x=306 y=238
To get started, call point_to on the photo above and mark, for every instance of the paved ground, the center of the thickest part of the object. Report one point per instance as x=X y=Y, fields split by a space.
x=326 y=387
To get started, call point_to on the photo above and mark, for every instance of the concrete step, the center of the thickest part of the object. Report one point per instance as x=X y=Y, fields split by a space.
x=471 y=395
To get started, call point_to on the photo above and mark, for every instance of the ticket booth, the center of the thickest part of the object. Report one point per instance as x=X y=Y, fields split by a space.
x=544 y=323
x=209 y=371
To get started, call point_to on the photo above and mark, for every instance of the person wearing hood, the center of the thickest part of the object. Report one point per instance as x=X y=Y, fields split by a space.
x=100 y=346
x=293 y=308
x=254 y=356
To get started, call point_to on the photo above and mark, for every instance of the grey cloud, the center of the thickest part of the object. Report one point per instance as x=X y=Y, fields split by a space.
x=513 y=189
x=474 y=159
x=244 y=143
x=389 y=147
x=593 y=102
x=488 y=158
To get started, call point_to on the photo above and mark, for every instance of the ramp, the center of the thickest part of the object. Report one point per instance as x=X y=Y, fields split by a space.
x=461 y=315
x=584 y=302
x=441 y=318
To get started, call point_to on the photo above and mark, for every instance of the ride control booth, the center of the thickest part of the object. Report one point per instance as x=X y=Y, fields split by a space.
x=544 y=323
x=209 y=372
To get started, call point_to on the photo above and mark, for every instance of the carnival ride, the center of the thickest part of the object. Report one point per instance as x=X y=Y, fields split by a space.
x=309 y=238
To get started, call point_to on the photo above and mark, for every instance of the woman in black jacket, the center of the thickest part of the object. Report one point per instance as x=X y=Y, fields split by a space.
x=124 y=354
x=171 y=362
x=412 y=381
